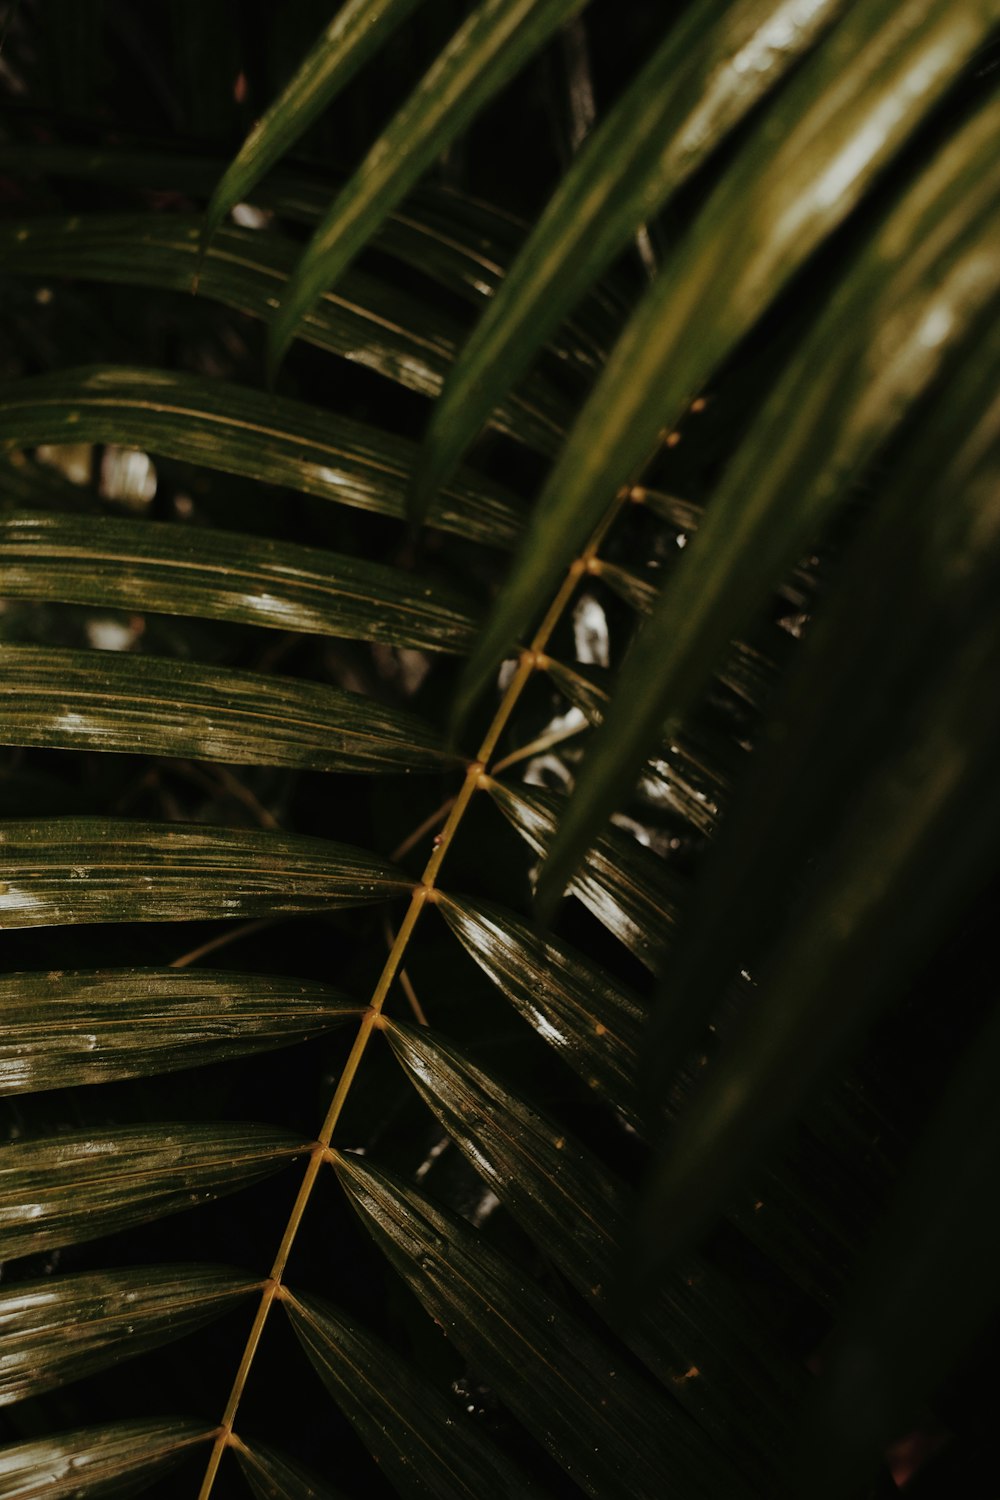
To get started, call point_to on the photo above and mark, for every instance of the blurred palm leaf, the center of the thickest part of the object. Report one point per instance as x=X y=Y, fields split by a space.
x=223 y=703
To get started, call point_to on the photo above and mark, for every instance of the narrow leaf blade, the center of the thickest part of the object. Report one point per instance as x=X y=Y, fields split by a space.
x=415 y=1434
x=108 y=700
x=62 y=1029
x=66 y=870
x=356 y=32
x=63 y=1328
x=78 y=1186
x=116 y=1460
x=496 y=40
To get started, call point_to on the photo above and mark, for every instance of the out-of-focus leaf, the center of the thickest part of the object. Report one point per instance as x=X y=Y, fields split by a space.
x=272 y=1476
x=613 y=1434
x=62 y=1328
x=498 y=38
x=710 y=71
x=920 y=287
x=110 y=700
x=241 y=431
x=848 y=111
x=356 y=32
x=217 y=575
x=60 y=1029
x=928 y=1287
x=625 y=886
x=902 y=793
x=367 y=321
x=695 y=1334
x=575 y=1006
x=90 y=1183
x=118 y=1460
x=61 y=870
x=416 y=1435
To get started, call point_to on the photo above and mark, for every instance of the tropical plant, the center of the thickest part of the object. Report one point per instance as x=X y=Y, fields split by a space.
x=646 y=550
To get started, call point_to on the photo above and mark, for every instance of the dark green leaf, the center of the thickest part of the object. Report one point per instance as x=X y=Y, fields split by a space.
x=60 y=1029
x=710 y=71
x=572 y=1004
x=271 y=1476
x=79 y=1186
x=606 y=1427
x=367 y=321
x=880 y=346
x=625 y=886
x=695 y=1335
x=62 y=1328
x=902 y=796
x=419 y=1438
x=843 y=117
x=356 y=32
x=497 y=39
x=118 y=1460
x=111 y=870
x=218 y=575
x=110 y=700
x=241 y=431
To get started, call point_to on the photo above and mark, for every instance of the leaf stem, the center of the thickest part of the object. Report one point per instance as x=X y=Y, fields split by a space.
x=424 y=893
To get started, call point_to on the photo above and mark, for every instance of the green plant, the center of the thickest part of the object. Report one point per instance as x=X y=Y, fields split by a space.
x=237 y=695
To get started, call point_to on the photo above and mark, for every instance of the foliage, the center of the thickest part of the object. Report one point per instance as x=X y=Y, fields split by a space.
x=681 y=1186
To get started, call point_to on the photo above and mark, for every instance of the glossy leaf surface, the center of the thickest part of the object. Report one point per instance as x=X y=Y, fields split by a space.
x=843 y=395
x=357 y=30
x=496 y=40
x=849 y=109
x=605 y=1426
x=112 y=870
x=625 y=886
x=59 y=1029
x=61 y=1328
x=421 y=1440
x=694 y=1334
x=109 y=700
x=241 y=431
x=899 y=843
x=118 y=1460
x=78 y=1186
x=592 y=1021
x=714 y=66
x=366 y=321
x=218 y=575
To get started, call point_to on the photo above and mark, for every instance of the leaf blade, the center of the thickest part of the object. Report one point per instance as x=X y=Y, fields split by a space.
x=62 y=1029
x=62 y=1328
x=116 y=1460
x=67 y=870
x=176 y=570
x=76 y=1187
x=105 y=700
